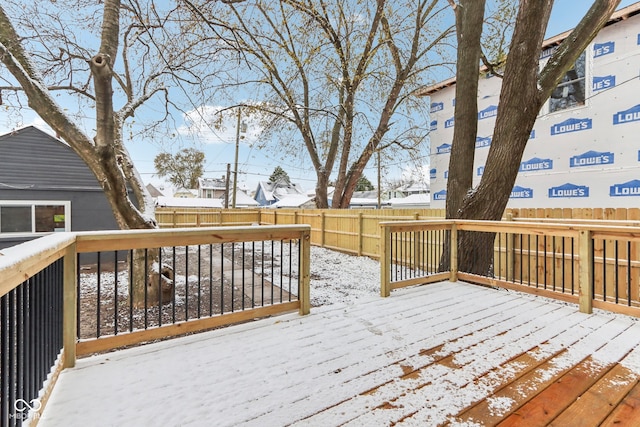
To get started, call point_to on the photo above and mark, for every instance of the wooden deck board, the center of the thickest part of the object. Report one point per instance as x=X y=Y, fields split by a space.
x=438 y=354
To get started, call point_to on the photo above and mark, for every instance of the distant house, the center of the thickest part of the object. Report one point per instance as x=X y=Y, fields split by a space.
x=414 y=187
x=366 y=200
x=185 y=193
x=45 y=187
x=269 y=192
x=212 y=188
x=295 y=201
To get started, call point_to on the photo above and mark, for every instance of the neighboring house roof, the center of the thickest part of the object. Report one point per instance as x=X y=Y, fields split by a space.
x=154 y=191
x=414 y=187
x=35 y=160
x=372 y=194
x=192 y=202
x=617 y=16
x=273 y=191
x=244 y=200
x=293 y=201
x=414 y=200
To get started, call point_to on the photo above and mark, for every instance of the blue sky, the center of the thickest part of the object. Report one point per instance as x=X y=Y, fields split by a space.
x=257 y=164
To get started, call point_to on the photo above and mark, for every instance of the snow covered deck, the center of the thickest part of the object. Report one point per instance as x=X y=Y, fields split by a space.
x=424 y=356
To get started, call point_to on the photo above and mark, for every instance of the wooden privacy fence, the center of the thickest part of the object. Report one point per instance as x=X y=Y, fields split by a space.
x=69 y=294
x=593 y=265
x=354 y=231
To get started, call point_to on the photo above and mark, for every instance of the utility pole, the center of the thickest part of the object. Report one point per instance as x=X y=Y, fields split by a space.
x=226 y=193
x=235 y=165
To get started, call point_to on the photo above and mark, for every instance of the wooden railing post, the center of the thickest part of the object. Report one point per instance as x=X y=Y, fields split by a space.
x=385 y=261
x=453 y=270
x=585 y=291
x=69 y=320
x=304 y=294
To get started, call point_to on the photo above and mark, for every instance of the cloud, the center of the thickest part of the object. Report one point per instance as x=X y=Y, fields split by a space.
x=214 y=124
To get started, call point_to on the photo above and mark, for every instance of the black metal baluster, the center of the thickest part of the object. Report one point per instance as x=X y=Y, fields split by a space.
x=199 y=280
x=233 y=275
x=210 y=279
x=186 y=283
x=131 y=262
x=221 y=278
x=173 y=292
x=604 y=270
x=115 y=293
x=98 y=292
x=146 y=289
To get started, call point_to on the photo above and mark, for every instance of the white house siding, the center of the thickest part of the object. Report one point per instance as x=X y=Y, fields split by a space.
x=586 y=156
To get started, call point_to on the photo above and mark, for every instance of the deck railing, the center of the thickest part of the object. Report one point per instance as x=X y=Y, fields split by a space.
x=590 y=264
x=71 y=294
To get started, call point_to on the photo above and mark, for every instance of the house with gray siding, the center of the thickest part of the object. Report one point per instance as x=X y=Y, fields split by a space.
x=45 y=188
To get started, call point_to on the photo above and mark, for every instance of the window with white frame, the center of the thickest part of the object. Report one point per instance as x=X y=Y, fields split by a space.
x=22 y=217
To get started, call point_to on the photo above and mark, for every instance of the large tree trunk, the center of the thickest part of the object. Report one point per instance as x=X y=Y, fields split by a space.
x=523 y=93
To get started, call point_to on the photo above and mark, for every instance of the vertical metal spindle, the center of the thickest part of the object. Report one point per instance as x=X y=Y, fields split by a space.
x=281 y=268
x=616 y=272
x=604 y=270
x=160 y=302
x=146 y=289
x=291 y=265
x=78 y=281
x=173 y=292
x=545 y=261
x=233 y=274
x=199 y=280
x=629 y=272
x=262 y=274
x=98 y=292
x=537 y=262
x=186 y=283
x=11 y=365
x=553 y=242
x=115 y=293
x=563 y=255
x=253 y=274
x=573 y=267
x=131 y=262
x=4 y=359
x=221 y=278
x=243 y=273
x=273 y=260
x=210 y=279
